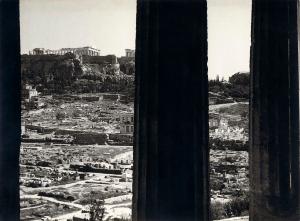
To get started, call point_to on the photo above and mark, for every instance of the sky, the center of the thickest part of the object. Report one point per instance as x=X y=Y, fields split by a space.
x=109 y=25
x=229 y=37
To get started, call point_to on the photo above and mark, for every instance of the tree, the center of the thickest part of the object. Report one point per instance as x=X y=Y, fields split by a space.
x=97 y=208
x=76 y=113
x=240 y=78
x=60 y=115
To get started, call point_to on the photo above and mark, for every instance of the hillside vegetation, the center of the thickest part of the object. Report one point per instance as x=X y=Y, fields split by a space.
x=65 y=74
x=237 y=87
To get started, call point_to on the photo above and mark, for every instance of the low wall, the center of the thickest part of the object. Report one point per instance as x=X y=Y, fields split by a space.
x=86 y=168
x=86 y=138
x=120 y=139
x=217 y=144
x=82 y=137
x=40 y=129
x=91 y=98
x=111 y=97
x=45 y=140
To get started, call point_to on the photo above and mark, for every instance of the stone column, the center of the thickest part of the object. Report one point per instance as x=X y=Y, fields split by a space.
x=274 y=122
x=10 y=124
x=171 y=112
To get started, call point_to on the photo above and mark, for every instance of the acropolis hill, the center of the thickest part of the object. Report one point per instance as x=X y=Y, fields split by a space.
x=73 y=72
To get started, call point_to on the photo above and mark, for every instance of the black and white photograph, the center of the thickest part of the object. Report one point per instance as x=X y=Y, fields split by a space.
x=149 y=110
x=78 y=68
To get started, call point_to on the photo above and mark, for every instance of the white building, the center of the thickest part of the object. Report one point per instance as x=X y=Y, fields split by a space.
x=126 y=123
x=23 y=127
x=88 y=50
x=130 y=53
x=28 y=93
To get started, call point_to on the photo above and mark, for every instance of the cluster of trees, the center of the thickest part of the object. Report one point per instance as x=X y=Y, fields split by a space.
x=237 y=86
x=50 y=72
x=238 y=206
x=109 y=83
x=128 y=68
x=99 y=71
x=96 y=209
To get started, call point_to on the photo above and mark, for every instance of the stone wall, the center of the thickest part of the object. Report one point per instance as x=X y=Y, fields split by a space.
x=101 y=60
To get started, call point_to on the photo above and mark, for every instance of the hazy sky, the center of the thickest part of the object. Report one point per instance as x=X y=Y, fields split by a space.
x=109 y=25
x=229 y=28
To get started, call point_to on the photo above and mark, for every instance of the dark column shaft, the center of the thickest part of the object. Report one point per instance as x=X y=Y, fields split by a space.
x=274 y=123
x=171 y=146
x=9 y=110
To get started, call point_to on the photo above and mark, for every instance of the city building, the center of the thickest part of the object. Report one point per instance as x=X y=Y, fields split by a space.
x=130 y=53
x=214 y=120
x=23 y=127
x=81 y=217
x=126 y=123
x=223 y=123
x=31 y=149
x=28 y=93
x=88 y=50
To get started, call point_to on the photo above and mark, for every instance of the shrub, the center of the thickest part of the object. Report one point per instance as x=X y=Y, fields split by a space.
x=60 y=115
x=217 y=211
x=217 y=185
x=238 y=206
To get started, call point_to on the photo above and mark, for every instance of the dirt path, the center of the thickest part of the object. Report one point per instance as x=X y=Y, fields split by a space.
x=243 y=218
x=35 y=196
x=68 y=185
x=31 y=207
x=127 y=155
x=217 y=106
x=113 y=205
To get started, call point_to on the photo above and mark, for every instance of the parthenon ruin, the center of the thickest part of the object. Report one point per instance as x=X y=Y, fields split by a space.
x=78 y=51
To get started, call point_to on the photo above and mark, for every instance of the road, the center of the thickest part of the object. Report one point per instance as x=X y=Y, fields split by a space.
x=50 y=199
x=31 y=207
x=63 y=217
x=124 y=156
x=113 y=206
x=217 y=106
x=68 y=185
x=243 y=218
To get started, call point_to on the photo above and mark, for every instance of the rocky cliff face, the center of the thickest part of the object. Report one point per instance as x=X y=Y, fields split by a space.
x=65 y=73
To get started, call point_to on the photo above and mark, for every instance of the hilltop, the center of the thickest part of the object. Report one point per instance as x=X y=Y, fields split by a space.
x=58 y=74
